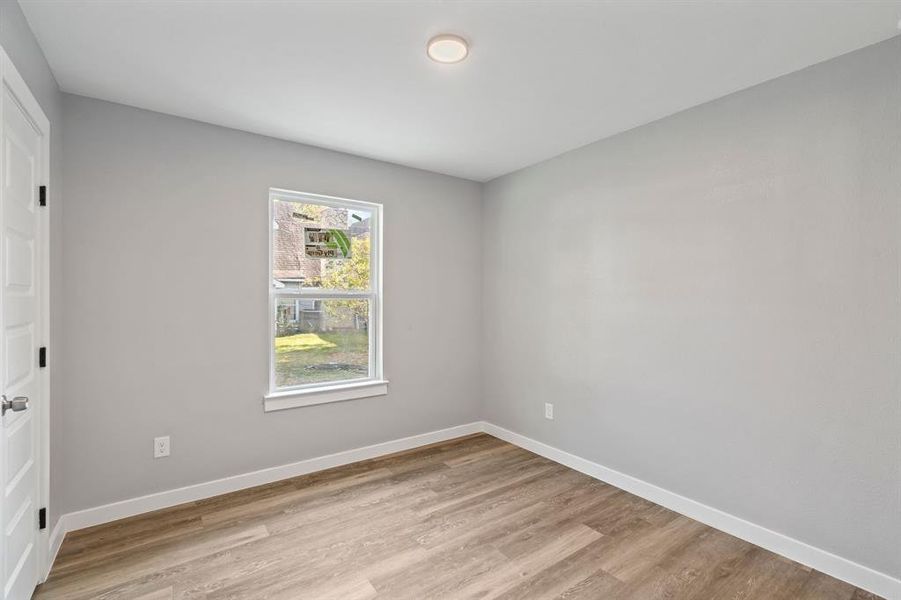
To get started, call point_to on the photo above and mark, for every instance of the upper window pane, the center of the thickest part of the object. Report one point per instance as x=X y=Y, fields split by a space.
x=317 y=246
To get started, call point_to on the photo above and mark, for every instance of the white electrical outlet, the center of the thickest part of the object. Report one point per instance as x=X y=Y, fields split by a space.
x=548 y=411
x=161 y=447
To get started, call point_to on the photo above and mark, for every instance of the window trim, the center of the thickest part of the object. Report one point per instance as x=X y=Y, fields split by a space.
x=309 y=394
x=324 y=394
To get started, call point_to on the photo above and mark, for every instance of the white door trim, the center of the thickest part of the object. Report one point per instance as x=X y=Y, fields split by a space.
x=10 y=77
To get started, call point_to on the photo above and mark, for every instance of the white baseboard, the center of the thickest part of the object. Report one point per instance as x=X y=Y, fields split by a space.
x=821 y=560
x=143 y=504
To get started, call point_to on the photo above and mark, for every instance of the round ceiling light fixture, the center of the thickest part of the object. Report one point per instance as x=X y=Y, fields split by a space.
x=448 y=48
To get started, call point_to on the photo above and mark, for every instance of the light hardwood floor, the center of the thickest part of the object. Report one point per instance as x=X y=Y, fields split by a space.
x=470 y=518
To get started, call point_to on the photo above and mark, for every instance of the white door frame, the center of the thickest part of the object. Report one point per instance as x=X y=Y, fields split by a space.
x=9 y=76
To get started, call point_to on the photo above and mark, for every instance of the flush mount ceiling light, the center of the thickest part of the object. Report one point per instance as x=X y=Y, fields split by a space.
x=447 y=48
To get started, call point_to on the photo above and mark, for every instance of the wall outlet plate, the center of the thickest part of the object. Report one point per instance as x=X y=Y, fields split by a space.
x=161 y=446
x=548 y=411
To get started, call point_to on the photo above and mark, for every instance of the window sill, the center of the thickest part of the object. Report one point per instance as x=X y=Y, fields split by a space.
x=324 y=395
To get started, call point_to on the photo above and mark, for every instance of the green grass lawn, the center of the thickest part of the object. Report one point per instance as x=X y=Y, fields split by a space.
x=316 y=357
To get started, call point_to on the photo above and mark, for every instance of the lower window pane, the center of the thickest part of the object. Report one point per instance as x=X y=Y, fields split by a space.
x=320 y=340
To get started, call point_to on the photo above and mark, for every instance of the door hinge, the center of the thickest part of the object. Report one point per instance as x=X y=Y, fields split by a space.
x=42 y=518
x=42 y=357
x=42 y=195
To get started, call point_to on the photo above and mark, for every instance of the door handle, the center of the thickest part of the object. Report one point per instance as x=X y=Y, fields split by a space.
x=17 y=404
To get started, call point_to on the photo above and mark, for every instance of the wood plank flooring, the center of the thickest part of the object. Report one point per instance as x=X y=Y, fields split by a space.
x=470 y=518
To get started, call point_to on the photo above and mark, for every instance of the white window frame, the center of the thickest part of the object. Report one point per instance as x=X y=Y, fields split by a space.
x=375 y=383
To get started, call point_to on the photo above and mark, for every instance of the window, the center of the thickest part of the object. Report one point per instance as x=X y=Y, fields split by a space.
x=324 y=300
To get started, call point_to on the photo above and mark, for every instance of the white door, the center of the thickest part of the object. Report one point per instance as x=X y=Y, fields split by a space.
x=21 y=174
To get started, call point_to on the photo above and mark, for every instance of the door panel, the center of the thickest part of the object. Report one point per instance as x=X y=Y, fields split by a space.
x=19 y=358
x=20 y=161
x=19 y=443
x=19 y=262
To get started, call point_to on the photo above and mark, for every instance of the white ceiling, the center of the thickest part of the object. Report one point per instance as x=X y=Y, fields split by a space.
x=543 y=76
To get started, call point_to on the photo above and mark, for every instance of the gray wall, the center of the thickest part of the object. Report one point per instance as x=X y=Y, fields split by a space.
x=712 y=303
x=166 y=239
x=22 y=47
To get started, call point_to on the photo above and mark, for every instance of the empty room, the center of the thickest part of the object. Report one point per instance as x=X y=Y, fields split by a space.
x=450 y=299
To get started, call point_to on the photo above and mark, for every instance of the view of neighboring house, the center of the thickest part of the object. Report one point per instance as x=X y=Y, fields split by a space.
x=291 y=269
